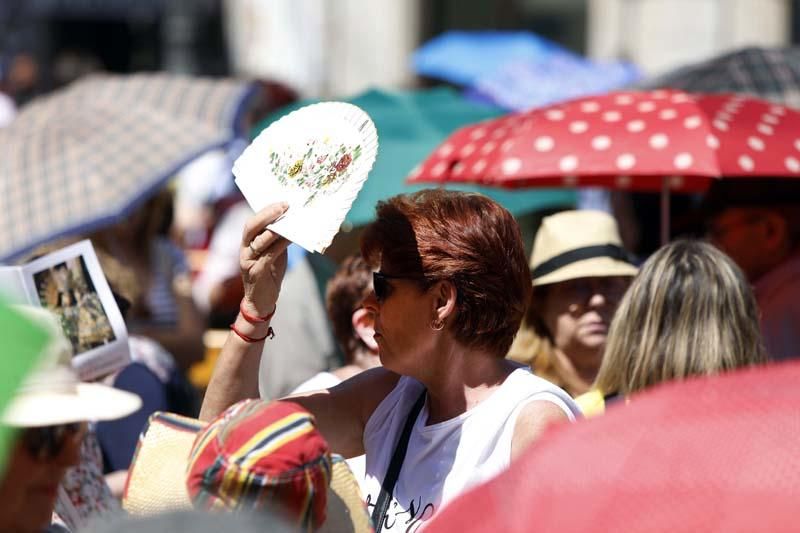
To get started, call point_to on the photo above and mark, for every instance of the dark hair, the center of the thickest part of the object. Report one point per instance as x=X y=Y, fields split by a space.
x=344 y=294
x=467 y=239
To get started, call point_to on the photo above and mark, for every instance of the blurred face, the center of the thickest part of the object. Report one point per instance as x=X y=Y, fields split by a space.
x=747 y=236
x=402 y=316
x=578 y=312
x=34 y=470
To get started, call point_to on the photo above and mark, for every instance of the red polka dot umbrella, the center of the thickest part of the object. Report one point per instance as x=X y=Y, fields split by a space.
x=629 y=140
x=656 y=140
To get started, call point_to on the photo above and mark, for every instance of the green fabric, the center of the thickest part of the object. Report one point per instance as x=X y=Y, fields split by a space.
x=22 y=343
x=411 y=124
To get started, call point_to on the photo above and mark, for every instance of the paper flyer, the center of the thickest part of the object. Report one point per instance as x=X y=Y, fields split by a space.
x=70 y=283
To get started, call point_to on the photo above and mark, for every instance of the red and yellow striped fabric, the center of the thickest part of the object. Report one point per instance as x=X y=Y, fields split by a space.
x=259 y=455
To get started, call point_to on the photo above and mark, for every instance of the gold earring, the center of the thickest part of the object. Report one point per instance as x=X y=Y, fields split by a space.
x=437 y=325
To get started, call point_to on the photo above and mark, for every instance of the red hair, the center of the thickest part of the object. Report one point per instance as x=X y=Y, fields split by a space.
x=467 y=239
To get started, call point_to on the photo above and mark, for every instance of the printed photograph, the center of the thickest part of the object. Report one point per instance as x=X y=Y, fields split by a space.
x=67 y=289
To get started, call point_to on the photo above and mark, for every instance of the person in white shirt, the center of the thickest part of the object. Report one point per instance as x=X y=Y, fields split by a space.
x=449 y=296
x=757 y=223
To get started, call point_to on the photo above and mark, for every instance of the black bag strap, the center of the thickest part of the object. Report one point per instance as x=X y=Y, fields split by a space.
x=393 y=472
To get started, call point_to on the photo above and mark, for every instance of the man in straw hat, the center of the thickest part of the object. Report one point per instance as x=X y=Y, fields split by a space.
x=757 y=223
x=580 y=271
x=50 y=410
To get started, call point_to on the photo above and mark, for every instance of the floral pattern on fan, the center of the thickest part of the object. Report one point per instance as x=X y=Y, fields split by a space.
x=320 y=169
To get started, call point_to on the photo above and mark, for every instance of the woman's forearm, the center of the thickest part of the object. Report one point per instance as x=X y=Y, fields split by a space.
x=235 y=375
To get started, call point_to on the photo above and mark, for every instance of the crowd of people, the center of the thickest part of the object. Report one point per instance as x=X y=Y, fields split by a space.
x=454 y=356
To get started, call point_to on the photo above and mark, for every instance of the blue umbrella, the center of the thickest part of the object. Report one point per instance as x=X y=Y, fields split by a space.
x=517 y=70
x=462 y=57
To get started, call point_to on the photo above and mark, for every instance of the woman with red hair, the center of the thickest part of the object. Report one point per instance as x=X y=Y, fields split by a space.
x=447 y=410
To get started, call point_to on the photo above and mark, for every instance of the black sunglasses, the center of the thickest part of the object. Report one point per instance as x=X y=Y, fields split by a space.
x=380 y=283
x=46 y=443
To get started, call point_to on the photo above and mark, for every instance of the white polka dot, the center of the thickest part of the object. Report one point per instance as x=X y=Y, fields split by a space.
x=766 y=129
x=479 y=166
x=755 y=143
x=777 y=110
x=721 y=125
x=570 y=181
x=675 y=182
x=659 y=94
x=601 y=142
x=499 y=133
x=445 y=150
x=659 y=141
x=712 y=141
x=415 y=172
x=488 y=147
x=667 y=114
x=554 y=114
x=746 y=162
x=544 y=143
x=681 y=98
x=646 y=107
x=626 y=161
x=722 y=115
x=568 y=163
x=477 y=134
x=579 y=126
x=459 y=168
x=770 y=119
x=797 y=144
x=692 y=122
x=635 y=126
x=590 y=107
x=683 y=160
x=507 y=145
x=467 y=150
x=511 y=166
x=624 y=181
x=612 y=116
x=792 y=164
x=623 y=99
x=439 y=169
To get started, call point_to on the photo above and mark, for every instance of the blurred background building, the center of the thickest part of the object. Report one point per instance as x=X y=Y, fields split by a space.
x=324 y=48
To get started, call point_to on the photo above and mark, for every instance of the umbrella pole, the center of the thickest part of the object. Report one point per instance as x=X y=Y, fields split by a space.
x=664 y=210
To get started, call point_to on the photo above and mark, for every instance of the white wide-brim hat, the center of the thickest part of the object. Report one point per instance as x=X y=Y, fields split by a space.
x=52 y=394
x=578 y=244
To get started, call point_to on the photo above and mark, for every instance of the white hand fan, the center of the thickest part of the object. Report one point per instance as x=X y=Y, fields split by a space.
x=316 y=159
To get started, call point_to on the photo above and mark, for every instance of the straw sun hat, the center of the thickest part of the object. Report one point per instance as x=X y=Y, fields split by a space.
x=254 y=453
x=52 y=394
x=578 y=244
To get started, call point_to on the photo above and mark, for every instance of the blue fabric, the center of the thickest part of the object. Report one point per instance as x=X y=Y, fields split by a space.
x=118 y=438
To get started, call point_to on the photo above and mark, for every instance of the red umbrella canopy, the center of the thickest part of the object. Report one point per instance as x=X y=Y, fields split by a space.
x=710 y=454
x=628 y=140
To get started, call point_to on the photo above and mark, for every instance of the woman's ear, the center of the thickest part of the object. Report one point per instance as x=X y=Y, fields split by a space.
x=364 y=328
x=776 y=235
x=445 y=297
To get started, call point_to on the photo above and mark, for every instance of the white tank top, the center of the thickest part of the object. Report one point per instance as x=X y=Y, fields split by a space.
x=445 y=459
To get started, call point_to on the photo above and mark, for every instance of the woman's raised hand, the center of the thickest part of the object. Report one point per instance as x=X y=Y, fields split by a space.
x=262 y=260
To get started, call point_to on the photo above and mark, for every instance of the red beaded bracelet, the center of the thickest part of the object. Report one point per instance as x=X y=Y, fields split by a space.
x=246 y=338
x=255 y=319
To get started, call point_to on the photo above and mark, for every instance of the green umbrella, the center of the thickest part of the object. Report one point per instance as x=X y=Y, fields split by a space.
x=22 y=344
x=411 y=124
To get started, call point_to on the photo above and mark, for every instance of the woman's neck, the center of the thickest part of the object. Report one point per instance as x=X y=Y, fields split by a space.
x=577 y=377
x=465 y=378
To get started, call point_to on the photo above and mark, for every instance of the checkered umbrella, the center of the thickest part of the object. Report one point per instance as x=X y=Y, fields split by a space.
x=85 y=156
x=770 y=73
